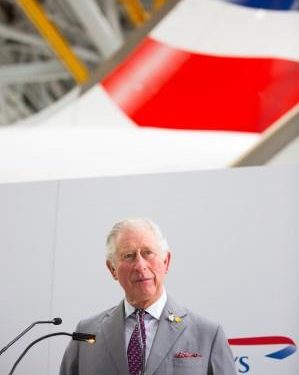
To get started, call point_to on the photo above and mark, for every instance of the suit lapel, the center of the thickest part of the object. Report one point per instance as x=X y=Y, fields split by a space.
x=167 y=334
x=113 y=328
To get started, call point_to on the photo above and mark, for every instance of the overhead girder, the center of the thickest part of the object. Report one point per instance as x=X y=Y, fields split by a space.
x=102 y=35
x=93 y=29
x=111 y=11
x=7 y=32
x=55 y=39
x=136 y=11
x=32 y=72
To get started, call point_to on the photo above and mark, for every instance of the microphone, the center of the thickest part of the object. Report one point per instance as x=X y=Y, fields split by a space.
x=77 y=336
x=55 y=321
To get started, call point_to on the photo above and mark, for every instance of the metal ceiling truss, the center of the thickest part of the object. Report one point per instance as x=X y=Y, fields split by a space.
x=49 y=46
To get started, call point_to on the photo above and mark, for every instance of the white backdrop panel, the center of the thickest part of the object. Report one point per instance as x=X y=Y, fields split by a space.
x=27 y=235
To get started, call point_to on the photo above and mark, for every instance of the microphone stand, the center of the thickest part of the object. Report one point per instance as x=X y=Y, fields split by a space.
x=55 y=321
x=89 y=338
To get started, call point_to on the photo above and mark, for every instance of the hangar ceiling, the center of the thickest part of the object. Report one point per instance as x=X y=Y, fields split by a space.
x=45 y=52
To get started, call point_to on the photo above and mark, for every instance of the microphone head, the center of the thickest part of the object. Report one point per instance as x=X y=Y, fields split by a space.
x=57 y=321
x=86 y=337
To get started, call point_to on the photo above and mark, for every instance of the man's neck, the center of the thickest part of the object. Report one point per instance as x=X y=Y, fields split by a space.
x=145 y=303
x=154 y=308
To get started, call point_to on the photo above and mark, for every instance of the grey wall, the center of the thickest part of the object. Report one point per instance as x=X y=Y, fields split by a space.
x=234 y=236
x=27 y=240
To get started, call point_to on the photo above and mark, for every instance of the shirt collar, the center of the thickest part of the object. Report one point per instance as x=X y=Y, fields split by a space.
x=155 y=310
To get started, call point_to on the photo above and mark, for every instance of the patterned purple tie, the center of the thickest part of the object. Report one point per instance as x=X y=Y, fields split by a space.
x=136 y=347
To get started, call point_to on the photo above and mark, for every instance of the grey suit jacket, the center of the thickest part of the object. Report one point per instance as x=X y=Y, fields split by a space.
x=192 y=334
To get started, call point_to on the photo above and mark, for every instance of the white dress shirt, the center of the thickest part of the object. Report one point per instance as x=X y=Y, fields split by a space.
x=151 y=321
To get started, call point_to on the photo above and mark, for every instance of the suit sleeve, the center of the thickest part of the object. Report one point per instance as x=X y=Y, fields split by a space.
x=221 y=359
x=69 y=364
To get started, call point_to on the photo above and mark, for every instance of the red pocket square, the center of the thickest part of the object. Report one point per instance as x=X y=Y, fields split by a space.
x=187 y=355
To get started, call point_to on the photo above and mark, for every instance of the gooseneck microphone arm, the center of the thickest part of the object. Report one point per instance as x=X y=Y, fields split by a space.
x=76 y=336
x=55 y=321
x=33 y=343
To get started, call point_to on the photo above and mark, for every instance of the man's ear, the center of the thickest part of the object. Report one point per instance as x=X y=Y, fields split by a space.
x=112 y=269
x=167 y=261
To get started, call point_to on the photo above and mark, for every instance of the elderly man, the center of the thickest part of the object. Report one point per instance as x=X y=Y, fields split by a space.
x=147 y=333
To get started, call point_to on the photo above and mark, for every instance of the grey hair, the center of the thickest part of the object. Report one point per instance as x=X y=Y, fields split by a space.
x=131 y=223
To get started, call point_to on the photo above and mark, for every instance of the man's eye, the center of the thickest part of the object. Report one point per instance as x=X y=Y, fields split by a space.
x=128 y=256
x=148 y=253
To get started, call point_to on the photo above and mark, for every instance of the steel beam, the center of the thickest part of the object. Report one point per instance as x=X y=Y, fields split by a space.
x=7 y=32
x=59 y=45
x=159 y=3
x=104 y=38
x=135 y=10
x=32 y=72
x=112 y=13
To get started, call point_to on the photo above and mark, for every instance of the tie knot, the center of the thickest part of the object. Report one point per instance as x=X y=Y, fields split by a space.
x=139 y=312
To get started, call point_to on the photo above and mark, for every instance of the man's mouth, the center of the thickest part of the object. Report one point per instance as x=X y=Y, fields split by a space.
x=143 y=280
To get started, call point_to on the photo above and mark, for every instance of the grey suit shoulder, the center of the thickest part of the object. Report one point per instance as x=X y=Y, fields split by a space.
x=94 y=322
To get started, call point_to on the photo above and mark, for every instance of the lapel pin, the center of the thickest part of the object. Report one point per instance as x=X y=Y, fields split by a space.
x=174 y=318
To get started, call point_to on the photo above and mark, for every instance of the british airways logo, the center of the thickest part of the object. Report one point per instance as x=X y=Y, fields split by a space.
x=269 y=340
x=243 y=362
x=268 y=4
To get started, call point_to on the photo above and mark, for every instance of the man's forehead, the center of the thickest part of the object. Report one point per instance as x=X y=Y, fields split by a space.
x=138 y=236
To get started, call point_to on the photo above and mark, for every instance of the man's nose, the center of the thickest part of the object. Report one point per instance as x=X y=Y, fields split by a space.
x=140 y=263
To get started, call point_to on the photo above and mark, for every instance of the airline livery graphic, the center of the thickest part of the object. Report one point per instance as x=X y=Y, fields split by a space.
x=287 y=347
x=213 y=65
